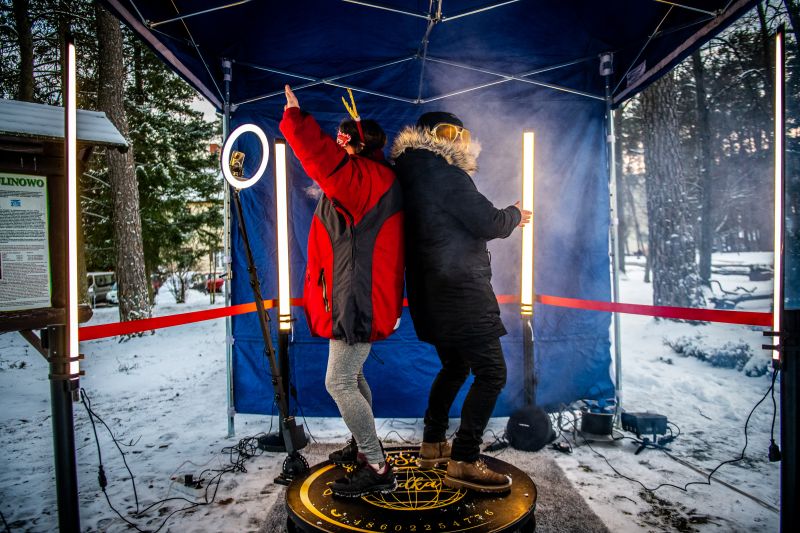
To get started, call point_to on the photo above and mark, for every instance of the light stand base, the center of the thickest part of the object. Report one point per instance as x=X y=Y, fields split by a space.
x=293 y=466
x=272 y=442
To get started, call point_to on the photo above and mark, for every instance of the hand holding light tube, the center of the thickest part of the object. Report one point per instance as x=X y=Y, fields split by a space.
x=526 y=215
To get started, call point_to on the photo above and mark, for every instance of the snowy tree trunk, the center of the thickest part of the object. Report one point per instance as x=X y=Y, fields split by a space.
x=22 y=24
x=131 y=280
x=766 y=50
x=706 y=161
x=671 y=250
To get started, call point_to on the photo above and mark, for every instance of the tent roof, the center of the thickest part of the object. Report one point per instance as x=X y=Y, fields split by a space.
x=41 y=121
x=421 y=51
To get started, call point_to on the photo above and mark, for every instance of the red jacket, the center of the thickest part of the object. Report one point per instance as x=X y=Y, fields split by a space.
x=353 y=289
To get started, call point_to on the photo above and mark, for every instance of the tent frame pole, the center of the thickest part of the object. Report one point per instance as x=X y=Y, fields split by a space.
x=606 y=69
x=479 y=10
x=386 y=8
x=512 y=77
x=733 y=7
x=313 y=82
x=642 y=49
x=139 y=26
x=422 y=51
x=203 y=12
x=428 y=16
x=326 y=81
x=226 y=130
x=690 y=8
x=786 y=323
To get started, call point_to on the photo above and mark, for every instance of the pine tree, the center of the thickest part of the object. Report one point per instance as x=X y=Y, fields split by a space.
x=173 y=169
x=174 y=166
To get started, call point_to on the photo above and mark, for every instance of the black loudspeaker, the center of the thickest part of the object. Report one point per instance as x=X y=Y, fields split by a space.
x=529 y=429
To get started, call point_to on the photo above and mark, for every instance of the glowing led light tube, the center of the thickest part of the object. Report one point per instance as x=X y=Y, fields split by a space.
x=777 y=288
x=526 y=285
x=284 y=293
x=71 y=155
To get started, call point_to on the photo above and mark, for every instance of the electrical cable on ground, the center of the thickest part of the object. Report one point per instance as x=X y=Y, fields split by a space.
x=399 y=436
x=711 y=473
x=499 y=444
x=556 y=420
x=245 y=449
x=8 y=528
x=303 y=414
x=394 y=421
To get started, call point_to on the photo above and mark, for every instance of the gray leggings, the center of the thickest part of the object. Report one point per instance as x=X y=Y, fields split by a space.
x=345 y=382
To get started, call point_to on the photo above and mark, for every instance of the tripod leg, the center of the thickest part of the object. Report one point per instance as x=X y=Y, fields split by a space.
x=293 y=436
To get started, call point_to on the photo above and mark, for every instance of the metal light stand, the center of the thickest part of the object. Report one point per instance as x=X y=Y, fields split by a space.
x=226 y=130
x=60 y=340
x=63 y=386
x=785 y=323
x=790 y=399
x=294 y=436
x=606 y=69
x=528 y=367
x=275 y=442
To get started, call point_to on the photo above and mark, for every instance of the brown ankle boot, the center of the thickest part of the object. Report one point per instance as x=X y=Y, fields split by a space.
x=475 y=476
x=433 y=453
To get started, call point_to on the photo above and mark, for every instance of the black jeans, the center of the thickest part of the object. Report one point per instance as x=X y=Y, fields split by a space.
x=485 y=359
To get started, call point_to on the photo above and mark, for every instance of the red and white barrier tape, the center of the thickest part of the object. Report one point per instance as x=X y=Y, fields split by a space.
x=753 y=318
x=100 y=331
x=89 y=333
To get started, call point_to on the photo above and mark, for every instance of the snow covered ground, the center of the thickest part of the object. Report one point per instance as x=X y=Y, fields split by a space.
x=164 y=397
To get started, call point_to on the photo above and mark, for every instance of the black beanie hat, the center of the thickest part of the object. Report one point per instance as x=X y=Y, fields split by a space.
x=431 y=119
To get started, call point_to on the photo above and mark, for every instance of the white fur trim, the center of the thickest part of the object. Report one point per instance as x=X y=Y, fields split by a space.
x=454 y=153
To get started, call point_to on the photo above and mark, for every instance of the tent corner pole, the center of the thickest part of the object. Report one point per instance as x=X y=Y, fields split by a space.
x=226 y=129
x=606 y=69
x=786 y=322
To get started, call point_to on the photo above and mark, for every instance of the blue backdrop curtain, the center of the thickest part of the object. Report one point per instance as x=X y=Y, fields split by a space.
x=571 y=346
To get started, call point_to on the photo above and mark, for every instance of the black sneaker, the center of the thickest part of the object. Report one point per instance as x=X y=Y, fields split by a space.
x=365 y=480
x=347 y=455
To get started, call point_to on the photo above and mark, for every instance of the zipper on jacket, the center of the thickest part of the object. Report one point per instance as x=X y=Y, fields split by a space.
x=324 y=290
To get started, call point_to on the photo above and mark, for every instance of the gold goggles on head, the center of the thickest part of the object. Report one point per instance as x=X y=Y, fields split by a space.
x=451 y=132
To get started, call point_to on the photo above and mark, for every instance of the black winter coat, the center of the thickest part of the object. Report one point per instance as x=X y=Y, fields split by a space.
x=447 y=226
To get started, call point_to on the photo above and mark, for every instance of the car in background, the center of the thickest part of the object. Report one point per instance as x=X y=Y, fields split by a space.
x=215 y=282
x=111 y=296
x=98 y=284
x=196 y=281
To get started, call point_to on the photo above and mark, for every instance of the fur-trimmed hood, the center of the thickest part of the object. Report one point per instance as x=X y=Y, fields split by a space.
x=464 y=157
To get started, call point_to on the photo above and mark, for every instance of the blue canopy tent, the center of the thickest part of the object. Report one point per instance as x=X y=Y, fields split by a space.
x=503 y=67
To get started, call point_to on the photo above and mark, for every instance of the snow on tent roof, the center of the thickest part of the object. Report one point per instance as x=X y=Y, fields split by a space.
x=42 y=121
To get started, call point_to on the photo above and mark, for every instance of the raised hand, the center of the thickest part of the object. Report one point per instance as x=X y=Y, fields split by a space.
x=291 y=99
